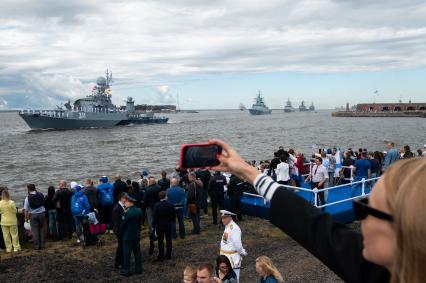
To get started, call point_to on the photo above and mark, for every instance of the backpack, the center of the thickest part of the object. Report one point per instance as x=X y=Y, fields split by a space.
x=107 y=195
x=77 y=206
x=36 y=200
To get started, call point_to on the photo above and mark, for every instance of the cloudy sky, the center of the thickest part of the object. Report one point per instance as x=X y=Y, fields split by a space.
x=214 y=54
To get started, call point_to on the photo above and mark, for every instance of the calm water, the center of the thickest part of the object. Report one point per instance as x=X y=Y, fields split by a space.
x=44 y=157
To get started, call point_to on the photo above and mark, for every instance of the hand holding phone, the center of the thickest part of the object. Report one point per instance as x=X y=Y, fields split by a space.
x=199 y=155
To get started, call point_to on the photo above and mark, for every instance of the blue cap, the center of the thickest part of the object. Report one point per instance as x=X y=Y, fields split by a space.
x=144 y=173
x=78 y=188
x=329 y=151
x=104 y=179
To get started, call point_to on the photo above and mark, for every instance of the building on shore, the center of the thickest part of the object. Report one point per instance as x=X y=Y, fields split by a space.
x=390 y=107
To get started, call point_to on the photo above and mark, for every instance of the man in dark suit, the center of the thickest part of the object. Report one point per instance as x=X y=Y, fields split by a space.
x=217 y=192
x=130 y=230
x=149 y=201
x=117 y=214
x=164 y=216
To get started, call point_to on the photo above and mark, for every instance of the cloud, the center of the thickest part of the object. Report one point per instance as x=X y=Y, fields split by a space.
x=3 y=103
x=163 y=95
x=146 y=43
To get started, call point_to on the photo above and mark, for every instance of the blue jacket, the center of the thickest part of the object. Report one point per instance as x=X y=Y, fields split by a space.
x=176 y=195
x=391 y=157
x=84 y=201
x=269 y=279
x=105 y=193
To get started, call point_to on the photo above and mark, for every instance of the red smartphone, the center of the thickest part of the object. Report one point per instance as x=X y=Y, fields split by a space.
x=199 y=155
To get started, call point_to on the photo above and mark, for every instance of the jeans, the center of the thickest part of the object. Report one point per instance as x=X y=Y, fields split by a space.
x=185 y=205
x=78 y=226
x=179 y=216
x=150 y=217
x=37 y=221
x=53 y=223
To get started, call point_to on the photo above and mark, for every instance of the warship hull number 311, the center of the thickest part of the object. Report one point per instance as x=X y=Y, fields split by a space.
x=93 y=111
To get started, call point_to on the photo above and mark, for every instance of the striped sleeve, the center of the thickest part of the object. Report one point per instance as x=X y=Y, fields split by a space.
x=265 y=186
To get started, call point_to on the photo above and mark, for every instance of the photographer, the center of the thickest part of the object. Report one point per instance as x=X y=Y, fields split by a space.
x=390 y=247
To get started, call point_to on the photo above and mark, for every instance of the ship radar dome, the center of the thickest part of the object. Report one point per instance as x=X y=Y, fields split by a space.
x=101 y=81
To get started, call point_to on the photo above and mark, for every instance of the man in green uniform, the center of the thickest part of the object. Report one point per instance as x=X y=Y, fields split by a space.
x=130 y=230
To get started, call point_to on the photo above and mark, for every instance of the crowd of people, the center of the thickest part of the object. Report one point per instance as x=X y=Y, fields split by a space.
x=122 y=207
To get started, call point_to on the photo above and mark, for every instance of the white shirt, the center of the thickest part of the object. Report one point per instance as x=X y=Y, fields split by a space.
x=282 y=172
x=319 y=173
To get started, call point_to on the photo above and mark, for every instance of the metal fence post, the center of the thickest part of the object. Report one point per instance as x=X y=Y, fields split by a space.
x=315 y=195
x=352 y=173
x=363 y=186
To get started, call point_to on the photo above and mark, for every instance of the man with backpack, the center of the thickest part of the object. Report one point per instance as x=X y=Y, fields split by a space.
x=35 y=213
x=106 y=202
x=80 y=207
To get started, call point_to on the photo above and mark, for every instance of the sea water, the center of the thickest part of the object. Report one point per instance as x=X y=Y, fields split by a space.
x=45 y=157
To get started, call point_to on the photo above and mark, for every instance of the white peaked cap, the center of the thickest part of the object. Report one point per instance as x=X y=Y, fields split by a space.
x=226 y=213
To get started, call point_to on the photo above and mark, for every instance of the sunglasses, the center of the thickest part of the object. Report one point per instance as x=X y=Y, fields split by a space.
x=362 y=209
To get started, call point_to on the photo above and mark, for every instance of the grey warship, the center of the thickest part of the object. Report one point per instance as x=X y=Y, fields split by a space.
x=94 y=111
x=259 y=107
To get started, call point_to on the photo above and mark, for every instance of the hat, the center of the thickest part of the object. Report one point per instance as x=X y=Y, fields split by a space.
x=73 y=184
x=424 y=146
x=224 y=213
x=144 y=173
x=78 y=188
x=130 y=198
x=104 y=179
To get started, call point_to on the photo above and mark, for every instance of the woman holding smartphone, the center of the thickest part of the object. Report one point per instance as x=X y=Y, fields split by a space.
x=390 y=247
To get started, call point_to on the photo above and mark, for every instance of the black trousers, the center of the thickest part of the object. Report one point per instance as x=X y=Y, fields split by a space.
x=119 y=252
x=236 y=208
x=105 y=215
x=161 y=235
x=65 y=223
x=216 y=201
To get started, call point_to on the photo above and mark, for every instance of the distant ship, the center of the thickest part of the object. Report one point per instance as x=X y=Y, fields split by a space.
x=259 y=108
x=94 y=111
x=288 y=107
x=302 y=107
x=312 y=107
x=242 y=107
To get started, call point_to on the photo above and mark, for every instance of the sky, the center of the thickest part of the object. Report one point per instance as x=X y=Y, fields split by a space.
x=213 y=54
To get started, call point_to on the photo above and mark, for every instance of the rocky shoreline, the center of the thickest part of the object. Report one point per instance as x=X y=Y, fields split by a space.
x=68 y=262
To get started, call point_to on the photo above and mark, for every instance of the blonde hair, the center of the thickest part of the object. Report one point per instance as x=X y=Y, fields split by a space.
x=269 y=268
x=191 y=272
x=404 y=183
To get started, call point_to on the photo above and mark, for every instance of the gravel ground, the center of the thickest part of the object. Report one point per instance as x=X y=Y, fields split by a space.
x=68 y=262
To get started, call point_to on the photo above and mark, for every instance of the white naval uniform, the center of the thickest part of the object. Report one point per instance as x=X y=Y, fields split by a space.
x=231 y=246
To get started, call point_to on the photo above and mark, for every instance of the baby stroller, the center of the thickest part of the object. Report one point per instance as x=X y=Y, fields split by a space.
x=92 y=229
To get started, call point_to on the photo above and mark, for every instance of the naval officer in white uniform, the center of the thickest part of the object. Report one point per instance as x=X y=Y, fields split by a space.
x=230 y=244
